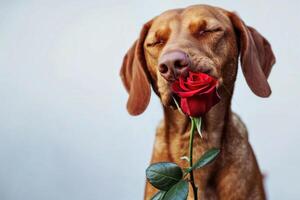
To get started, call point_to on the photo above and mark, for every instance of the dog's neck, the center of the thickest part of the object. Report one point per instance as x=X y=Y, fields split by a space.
x=213 y=123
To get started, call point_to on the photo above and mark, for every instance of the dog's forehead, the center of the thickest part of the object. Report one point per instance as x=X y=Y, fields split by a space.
x=204 y=11
x=167 y=17
x=189 y=14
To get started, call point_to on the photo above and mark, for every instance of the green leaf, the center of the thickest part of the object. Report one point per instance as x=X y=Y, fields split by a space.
x=159 y=195
x=177 y=105
x=178 y=192
x=198 y=122
x=205 y=159
x=163 y=175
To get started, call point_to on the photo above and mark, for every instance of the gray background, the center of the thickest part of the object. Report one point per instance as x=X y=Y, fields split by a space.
x=64 y=130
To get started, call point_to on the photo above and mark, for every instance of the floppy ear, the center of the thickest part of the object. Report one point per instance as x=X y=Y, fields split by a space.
x=257 y=57
x=134 y=75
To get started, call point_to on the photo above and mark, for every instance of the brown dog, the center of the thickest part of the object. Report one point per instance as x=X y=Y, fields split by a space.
x=201 y=39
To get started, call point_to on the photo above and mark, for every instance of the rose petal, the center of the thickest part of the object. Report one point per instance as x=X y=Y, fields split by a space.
x=197 y=93
x=196 y=85
x=204 y=90
x=184 y=106
x=197 y=106
x=182 y=84
x=184 y=94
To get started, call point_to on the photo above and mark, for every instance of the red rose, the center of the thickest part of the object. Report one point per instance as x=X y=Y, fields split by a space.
x=197 y=93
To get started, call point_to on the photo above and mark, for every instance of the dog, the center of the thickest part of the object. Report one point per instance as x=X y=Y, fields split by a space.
x=210 y=40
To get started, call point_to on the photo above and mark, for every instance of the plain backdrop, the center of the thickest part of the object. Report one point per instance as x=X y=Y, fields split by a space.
x=64 y=130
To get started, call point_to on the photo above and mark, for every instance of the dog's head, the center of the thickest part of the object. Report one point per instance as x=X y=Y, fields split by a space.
x=200 y=39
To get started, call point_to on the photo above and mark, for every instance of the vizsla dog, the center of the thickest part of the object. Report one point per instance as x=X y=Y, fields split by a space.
x=209 y=40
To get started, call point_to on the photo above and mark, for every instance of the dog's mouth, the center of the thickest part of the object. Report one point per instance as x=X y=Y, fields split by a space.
x=173 y=99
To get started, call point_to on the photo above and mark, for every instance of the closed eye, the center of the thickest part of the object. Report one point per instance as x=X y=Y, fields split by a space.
x=156 y=43
x=205 y=31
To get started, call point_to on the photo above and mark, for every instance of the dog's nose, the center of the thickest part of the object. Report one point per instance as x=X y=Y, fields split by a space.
x=173 y=64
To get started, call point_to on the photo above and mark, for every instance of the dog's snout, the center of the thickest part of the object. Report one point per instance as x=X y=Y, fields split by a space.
x=173 y=64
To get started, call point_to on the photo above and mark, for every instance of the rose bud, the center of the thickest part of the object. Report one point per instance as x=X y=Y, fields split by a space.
x=197 y=92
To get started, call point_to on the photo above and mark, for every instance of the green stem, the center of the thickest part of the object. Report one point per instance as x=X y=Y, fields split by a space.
x=191 y=158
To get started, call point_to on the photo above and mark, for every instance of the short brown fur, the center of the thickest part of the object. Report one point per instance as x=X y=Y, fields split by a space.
x=213 y=38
